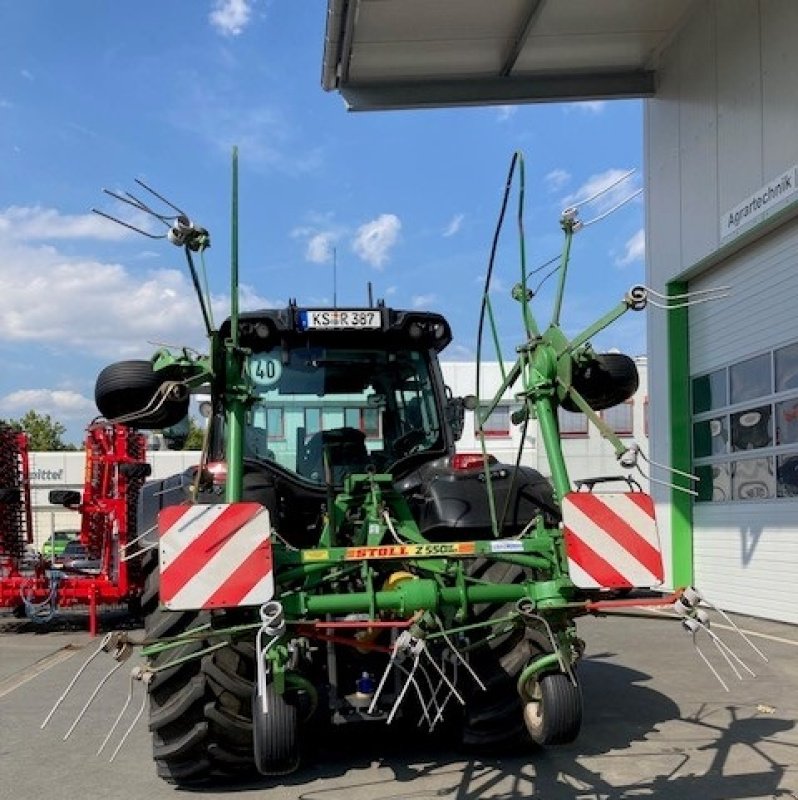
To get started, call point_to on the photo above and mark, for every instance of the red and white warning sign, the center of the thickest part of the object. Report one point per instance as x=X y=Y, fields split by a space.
x=611 y=540
x=215 y=556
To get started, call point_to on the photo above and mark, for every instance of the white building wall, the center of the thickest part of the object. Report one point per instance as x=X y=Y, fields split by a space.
x=585 y=456
x=65 y=470
x=722 y=126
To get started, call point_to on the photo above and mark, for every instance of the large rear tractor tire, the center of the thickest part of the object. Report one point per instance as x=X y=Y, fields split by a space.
x=494 y=717
x=200 y=710
x=553 y=709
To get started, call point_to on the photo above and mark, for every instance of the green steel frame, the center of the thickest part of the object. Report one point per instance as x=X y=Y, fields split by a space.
x=442 y=588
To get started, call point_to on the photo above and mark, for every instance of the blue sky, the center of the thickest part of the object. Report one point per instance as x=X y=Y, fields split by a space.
x=94 y=95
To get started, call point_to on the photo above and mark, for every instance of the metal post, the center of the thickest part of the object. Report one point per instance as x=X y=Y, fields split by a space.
x=233 y=365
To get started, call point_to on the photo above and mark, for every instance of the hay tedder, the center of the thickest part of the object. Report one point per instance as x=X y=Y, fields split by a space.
x=334 y=560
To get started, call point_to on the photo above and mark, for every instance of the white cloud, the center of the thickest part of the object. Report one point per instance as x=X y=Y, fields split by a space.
x=587 y=106
x=505 y=112
x=374 y=240
x=454 y=225
x=556 y=179
x=5 y=103
x=320 y=248
x=27 y=74
x=34 y=223
x=320 y=238
x=230 y=17
x=58 y=403
x=69 y=303
x=635 y=250
x=423 y=300
x=613 y=186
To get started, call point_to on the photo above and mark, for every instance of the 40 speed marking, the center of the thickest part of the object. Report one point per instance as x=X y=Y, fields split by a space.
x=430 y=550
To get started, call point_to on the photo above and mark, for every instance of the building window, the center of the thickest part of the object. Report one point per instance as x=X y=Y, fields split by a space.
x=497 y=423
x=709 y=391
x=750 y=379
x=275 y=424
x=745 y=440
x=364 y=419
x=620 y=418
x=572 y=423
x=312 y=422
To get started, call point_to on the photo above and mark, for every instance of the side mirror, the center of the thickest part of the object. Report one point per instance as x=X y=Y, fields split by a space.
x=455 y=413
x=176 y=435
x=64 y=497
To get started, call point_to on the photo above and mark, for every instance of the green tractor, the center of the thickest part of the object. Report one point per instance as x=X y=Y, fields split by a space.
x=334 y=560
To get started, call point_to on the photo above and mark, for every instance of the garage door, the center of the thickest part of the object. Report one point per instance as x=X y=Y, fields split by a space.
x=744 y=376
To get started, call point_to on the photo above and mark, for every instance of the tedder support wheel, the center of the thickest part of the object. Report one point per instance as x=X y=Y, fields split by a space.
x=128 y=387
x=553 y=709
x=606 y=381
x=275 y=733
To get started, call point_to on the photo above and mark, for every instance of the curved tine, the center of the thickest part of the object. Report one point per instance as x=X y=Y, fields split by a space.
x=613 y=209
x=689 y=475
x=160 y=197
x=444 y=678
x=130 y=727
x=692 y=293
x=738 y=629
x=135 y=202
x=91 y=699
x=460 y=658
x=165 y=218
x=403 y=692
x=128 y=225
x=707 y=662
x=687 y=304
x=605 y=189
x=119 y=716
x=106 y=639
x=684 y=489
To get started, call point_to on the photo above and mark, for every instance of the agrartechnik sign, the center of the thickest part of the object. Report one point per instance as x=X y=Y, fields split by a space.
x=760 y=202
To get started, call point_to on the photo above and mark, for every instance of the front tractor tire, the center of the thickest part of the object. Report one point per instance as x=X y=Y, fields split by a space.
x=200 y=710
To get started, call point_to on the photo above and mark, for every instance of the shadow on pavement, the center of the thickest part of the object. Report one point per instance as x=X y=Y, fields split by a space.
x=619 y=710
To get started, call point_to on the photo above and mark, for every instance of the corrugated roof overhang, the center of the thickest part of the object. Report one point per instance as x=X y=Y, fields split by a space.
x=391 y=54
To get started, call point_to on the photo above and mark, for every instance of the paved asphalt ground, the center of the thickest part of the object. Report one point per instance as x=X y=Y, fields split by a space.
x=657 y=725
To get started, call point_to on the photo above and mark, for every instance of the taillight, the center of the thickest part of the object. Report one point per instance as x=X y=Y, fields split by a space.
x=465 y=461
x=218 y=471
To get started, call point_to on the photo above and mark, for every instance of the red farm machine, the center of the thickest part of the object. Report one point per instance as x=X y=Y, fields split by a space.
x=114 y=473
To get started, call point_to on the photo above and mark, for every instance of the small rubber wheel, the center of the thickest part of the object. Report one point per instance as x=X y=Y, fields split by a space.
x=553 y=710
x=275 y=734
x=606 y=381
x=129 y=387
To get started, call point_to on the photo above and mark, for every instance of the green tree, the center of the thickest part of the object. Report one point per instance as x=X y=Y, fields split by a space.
x=44 y=433
x=195 y=437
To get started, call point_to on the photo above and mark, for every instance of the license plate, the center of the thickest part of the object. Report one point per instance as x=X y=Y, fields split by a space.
x=333 y=319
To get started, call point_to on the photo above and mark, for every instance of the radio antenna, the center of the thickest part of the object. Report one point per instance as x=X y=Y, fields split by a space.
x=335 y=277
